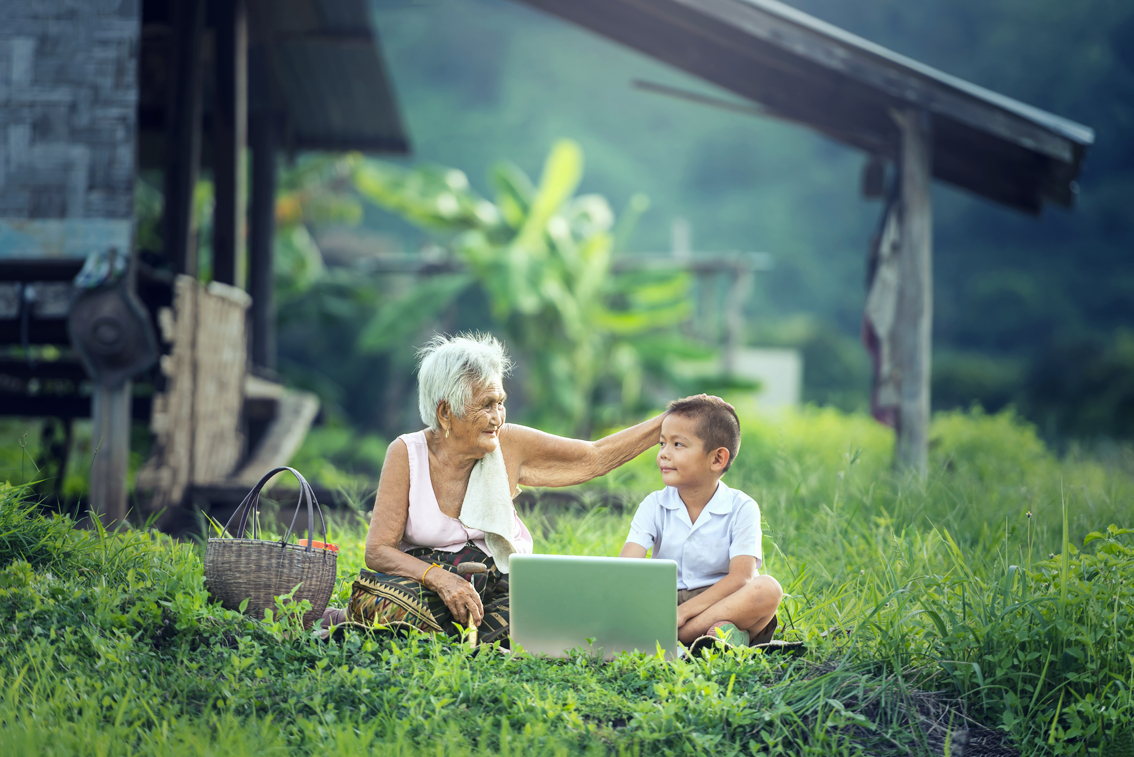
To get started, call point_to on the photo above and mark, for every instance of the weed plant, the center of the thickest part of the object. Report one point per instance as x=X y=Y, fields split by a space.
x=989 y=604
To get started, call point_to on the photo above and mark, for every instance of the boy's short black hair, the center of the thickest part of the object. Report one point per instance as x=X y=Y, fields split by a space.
x=717 y=424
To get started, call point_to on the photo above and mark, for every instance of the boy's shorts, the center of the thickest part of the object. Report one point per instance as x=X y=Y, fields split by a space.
x=684 y=595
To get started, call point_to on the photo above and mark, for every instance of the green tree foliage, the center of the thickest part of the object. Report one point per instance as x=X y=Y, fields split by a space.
x=1012 y=293
x=585 y=336
x=1031 y=312
x=533 y=265
x=321 y=308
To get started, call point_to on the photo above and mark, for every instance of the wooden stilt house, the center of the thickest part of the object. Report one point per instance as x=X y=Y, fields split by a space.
x=91 y=95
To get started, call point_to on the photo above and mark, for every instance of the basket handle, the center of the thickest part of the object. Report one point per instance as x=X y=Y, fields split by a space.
x=251 y=504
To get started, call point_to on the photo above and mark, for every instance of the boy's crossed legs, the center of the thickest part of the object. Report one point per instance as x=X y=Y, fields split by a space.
x=751 y=608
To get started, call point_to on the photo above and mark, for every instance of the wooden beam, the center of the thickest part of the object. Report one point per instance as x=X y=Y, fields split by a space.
x=230 y=127
x=262 y=224
x=40 y=269
x=183 y=136
x=913 y=322
x=842 y=86
x=910 y=83
x=110 y=437
x=66 y=368
x=61 y=405
x=734 y=263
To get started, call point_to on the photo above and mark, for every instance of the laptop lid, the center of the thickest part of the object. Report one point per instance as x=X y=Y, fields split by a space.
x=558 y=602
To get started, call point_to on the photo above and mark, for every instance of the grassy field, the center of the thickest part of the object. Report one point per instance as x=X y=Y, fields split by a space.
x=989 y=604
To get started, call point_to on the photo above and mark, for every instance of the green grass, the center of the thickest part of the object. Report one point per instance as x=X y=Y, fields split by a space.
x=928 y=607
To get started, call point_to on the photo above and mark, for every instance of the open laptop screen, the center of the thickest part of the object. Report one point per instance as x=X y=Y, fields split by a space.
x=558 y=602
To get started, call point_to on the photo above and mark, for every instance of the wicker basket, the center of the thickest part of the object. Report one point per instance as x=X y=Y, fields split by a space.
x=259 y=571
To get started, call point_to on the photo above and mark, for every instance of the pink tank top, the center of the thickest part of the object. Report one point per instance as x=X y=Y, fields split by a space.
x=427 y=526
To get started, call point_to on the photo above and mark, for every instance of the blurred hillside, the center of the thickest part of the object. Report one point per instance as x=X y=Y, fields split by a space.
x=1032 y=312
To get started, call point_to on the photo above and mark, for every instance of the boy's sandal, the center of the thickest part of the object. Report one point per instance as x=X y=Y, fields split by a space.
x=772 y=646
x=723 y=635
x=779 y=646
x=731 y=636
x=703 y=644
x=766 y=635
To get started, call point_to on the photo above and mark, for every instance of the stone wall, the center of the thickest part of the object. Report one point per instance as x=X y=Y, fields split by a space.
x=68 y=123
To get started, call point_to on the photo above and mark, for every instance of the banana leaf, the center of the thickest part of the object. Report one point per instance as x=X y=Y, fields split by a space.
x=514 y=192
x=399 y=320
x=640 y=320
x=561 y=175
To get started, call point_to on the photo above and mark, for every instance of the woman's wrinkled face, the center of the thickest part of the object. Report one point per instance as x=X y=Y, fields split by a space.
x=479 y=429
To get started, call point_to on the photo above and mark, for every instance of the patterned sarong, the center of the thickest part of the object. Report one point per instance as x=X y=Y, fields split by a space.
x=379 y=599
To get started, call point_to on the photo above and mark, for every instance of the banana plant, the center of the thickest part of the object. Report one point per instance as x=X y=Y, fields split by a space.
x=585 y=337
x=317 y=190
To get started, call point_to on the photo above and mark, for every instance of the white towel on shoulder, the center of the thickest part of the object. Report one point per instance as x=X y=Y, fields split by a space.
x=488 y=507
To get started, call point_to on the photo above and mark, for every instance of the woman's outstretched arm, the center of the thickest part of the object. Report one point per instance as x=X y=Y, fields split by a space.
x=542 y=459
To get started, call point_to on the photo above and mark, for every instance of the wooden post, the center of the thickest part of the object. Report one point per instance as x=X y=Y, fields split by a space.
x=110 y=438
x=913 y=326
x=261 y=232
x=183 y=135
x=738 y=290
x=230 y=111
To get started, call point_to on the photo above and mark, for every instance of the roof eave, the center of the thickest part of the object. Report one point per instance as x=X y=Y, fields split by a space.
x=844 y=87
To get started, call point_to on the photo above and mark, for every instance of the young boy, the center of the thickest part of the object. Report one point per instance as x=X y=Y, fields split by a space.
x=710 y=530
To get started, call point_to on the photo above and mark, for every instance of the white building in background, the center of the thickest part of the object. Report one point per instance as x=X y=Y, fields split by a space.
x=779 y=371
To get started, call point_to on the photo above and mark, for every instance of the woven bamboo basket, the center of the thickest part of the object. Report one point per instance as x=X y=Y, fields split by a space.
x=259 y=570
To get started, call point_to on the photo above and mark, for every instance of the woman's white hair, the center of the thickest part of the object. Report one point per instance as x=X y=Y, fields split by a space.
x=450 y=368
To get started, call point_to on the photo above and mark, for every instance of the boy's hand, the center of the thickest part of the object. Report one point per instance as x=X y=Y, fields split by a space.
x=683 y=616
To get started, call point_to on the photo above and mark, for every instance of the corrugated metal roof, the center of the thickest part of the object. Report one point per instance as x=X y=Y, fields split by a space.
x=326 y=75
x=817 y=75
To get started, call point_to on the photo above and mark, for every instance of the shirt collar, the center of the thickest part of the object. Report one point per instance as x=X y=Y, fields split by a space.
x=671 y=500
x=720 y=504
x=722 y=501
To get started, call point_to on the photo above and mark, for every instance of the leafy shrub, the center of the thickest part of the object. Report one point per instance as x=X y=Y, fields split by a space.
x=989 y=446
x=337 y=456
x=136 y=661
x=790 y=449
x=37 y=541
x=1047 y=652
x=916 y=598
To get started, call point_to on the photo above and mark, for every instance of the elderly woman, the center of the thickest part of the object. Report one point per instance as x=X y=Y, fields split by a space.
x=445 y=496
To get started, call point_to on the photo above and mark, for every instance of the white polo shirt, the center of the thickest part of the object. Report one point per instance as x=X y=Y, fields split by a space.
x=728 y=526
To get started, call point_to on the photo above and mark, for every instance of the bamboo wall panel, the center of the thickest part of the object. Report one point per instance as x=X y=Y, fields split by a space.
x=197 y=420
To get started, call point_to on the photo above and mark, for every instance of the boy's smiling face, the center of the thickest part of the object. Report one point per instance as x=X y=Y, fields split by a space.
x=682 y=457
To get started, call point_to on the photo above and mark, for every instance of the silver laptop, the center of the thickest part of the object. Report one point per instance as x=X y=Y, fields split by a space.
x=560 y=602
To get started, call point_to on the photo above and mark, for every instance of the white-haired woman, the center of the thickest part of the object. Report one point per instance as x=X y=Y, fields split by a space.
x=445 y=496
